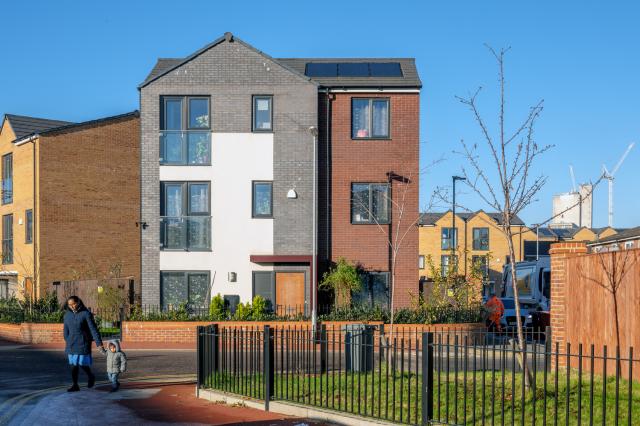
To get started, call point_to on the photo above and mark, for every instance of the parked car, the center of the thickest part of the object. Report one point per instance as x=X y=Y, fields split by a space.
x=508 y=320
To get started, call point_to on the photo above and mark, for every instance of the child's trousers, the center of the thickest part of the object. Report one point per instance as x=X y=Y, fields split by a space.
x=113 y=378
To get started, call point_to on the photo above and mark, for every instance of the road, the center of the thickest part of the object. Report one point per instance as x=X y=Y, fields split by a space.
x=26 y=370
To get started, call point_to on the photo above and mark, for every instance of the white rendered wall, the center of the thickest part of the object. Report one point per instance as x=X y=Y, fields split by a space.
x=237 y=160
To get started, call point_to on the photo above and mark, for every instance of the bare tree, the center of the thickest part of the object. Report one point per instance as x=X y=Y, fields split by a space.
x=614 y=267
x=509 y=185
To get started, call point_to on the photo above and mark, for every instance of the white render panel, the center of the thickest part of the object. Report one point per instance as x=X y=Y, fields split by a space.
x=237 y=160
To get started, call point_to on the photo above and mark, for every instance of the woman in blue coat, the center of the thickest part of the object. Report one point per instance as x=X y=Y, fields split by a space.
x=79 y=331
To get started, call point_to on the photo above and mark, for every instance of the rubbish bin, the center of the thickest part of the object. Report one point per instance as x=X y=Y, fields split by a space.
x=358 y=349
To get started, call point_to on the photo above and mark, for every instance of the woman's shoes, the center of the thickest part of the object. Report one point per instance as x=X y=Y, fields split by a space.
x=92 y=381
x=74 y=388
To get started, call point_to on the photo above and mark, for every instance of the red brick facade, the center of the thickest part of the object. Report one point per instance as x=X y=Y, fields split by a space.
x=344 y=161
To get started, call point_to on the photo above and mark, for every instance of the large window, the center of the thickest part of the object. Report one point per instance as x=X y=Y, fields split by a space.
x=7 y=179
x=375 y=290
x=449 y=239
x=7 y=239
x=370 y=118
x=180 y=287
x=448 y=264
x=262 y=200
x=421 y=262
x=262 y=113
x=370 y=203
x=186 y=216
x=185 y=138
x=28 y=228
x=481 y=238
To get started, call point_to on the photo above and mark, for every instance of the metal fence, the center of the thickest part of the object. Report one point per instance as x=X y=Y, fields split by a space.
x=448 y=378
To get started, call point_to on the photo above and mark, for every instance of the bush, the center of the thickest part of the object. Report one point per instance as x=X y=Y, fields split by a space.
x=217 y=309
x=421 y=315
x=43 y=310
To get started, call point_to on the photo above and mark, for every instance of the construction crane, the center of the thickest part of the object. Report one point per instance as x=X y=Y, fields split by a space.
x=610 y=176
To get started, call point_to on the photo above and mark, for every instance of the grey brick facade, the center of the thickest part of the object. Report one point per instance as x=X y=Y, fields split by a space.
x=231 y=72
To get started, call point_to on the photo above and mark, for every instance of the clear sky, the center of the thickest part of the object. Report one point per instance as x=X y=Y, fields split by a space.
x=79 y=60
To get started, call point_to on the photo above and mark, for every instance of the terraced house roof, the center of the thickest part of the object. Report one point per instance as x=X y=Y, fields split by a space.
x=23 y=126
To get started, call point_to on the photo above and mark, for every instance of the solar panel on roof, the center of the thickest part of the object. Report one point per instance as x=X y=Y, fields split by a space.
x=385 y=69
x=353 y=69
x=321 y=69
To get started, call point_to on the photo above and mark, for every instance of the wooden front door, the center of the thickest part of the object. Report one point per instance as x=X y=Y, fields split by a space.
x=289 y=293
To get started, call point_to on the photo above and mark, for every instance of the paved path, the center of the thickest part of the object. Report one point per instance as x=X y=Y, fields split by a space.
x=158 y=389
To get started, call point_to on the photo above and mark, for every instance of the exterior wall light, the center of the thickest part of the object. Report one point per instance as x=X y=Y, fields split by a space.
x=233 y=277
x=292 y=194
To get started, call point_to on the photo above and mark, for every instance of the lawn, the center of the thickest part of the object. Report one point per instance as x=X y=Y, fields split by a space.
x=505 y=400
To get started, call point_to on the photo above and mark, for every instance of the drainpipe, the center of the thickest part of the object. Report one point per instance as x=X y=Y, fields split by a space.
x=313 y=130
x=34 y=221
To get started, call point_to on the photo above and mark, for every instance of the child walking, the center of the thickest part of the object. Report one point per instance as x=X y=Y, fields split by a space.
x=116 y=364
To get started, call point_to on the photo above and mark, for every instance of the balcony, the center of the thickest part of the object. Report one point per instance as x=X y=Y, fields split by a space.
x=188 y=233
x=185 y=147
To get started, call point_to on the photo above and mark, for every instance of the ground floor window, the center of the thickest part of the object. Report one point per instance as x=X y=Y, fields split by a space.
x=4 y=289
x=180 y=287
x=375 y=290
x=481 y=265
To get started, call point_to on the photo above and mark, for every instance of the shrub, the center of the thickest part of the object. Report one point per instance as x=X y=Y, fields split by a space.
x=217 y=309
x=260 y=309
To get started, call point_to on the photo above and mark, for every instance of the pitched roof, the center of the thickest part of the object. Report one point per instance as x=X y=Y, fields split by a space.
x=627 y=234
x=23 y=126
x=409 y=76
x=76 y=126
x=166 y=65
x=430 y=218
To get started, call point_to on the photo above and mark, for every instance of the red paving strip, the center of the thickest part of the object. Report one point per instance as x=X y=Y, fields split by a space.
x=178 y=404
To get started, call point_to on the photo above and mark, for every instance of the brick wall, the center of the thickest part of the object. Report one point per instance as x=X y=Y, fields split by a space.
x=90 y=200
x=28 y=333
x=344 y=161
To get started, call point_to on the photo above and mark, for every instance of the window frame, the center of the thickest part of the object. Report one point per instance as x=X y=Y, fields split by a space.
x=185 y=275
x=372 y=137
x=371 y=221
x=184 y=113
x=255 y=215
x=452 y=246
x=4 y=288
x=186 y=194
x=254 y=105
x=9 y=198
x=7 y=260
x=422 y=264
x=367 y=287
x=473 y=239
x=485 y=272
x=28 y=226
x=443 y=271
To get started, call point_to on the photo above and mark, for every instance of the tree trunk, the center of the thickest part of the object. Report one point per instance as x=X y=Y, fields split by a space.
x=528 y=379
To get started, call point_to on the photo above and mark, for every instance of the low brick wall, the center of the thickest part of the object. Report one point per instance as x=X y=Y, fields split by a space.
x=28 y=333
x=185 y=332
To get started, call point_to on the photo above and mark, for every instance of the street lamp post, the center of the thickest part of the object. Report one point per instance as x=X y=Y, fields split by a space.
x=455 y=231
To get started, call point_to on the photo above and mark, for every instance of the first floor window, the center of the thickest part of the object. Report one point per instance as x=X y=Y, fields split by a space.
x=262 y=200
x=421 y=262
x=7 y=239
x=185 y=210
x=4 y=289
x=449 y=239
x=481 y=238
x=375 y=290
x=178 y=288
x=28 y=228
x=262 y=113
x=448 y=264
x=370 y=203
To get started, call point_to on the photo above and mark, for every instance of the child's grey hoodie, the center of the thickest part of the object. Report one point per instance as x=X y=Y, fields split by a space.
x=116 y=361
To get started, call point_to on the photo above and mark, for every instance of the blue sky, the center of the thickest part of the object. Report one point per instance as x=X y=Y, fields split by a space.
x=82 y=60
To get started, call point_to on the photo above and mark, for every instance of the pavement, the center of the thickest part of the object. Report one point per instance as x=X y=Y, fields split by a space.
x=157 y=389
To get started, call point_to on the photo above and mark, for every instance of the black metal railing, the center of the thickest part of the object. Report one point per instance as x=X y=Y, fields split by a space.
x=452 y=377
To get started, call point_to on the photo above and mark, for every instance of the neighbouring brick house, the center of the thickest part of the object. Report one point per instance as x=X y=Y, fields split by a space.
x=70 y=200
x=228 y=138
